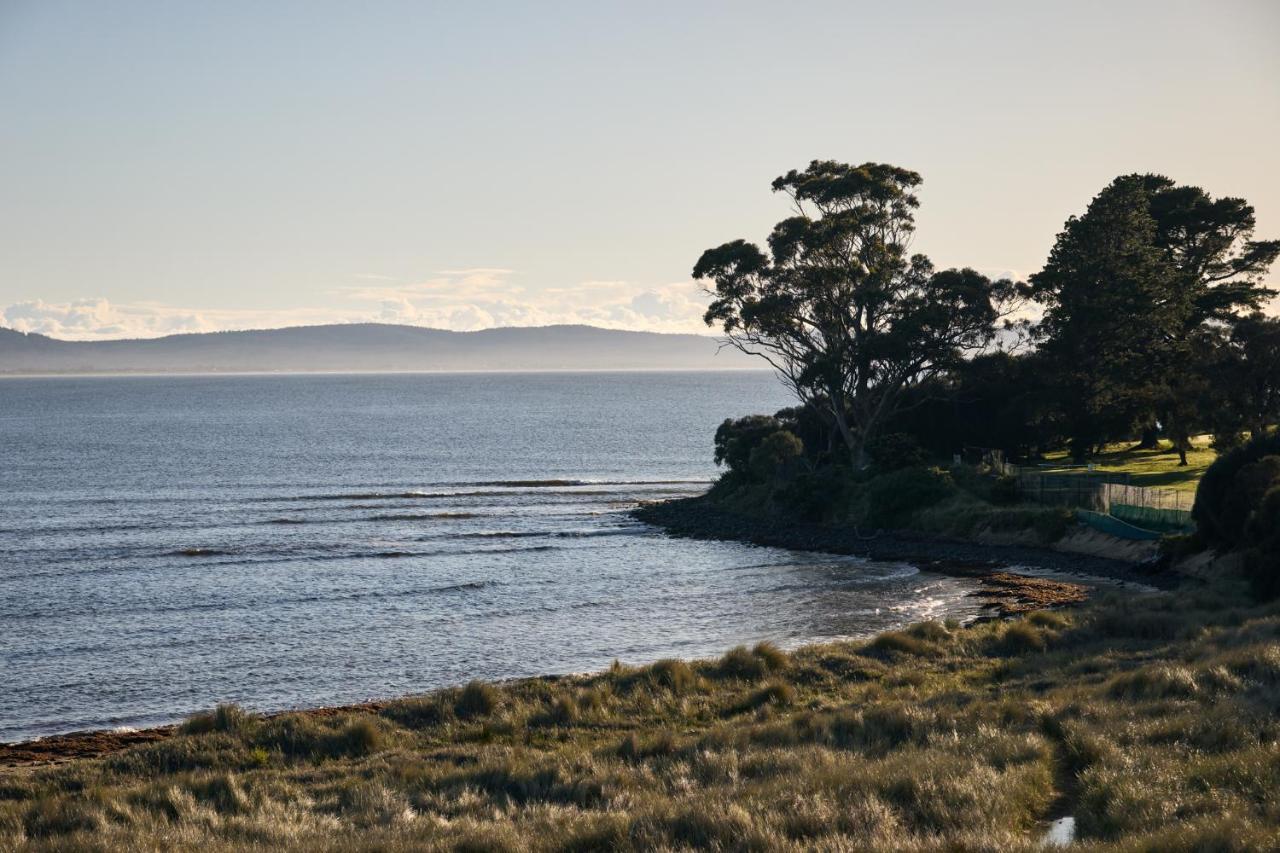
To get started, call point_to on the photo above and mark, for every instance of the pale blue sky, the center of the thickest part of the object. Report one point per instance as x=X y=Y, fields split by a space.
x=192 y=165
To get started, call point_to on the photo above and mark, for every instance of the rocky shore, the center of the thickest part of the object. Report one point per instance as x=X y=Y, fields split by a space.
x=700 y=518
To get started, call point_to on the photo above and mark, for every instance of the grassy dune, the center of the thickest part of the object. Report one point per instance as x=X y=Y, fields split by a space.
x=1151 y=719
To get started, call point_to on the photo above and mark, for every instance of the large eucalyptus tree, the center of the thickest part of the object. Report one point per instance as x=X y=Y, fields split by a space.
x=839 y=305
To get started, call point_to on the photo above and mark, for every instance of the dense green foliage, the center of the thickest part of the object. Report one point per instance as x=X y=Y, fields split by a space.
x=1140 y=295
x=1150 y=324
x=1238 y=507
x=840 y=307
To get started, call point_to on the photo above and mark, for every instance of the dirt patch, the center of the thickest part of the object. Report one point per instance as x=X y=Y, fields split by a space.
x=75 y=745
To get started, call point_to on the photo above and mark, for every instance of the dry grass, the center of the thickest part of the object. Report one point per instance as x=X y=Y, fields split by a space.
x=1153 y=720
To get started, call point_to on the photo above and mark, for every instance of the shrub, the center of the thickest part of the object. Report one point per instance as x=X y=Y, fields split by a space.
x=563 y=711
x=223 y=792
x=736 y=439
x=1004 y=490
x=740 y=663
x=1051 y=523
x=1048 y=619
x=816 y=495
x=476 y=700
x=895 y=451
x=1220 y=513
x=1262 y=568
x=892 y=498
x=772 y=455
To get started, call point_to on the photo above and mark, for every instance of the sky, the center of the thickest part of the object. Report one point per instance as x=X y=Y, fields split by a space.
x=193 y=166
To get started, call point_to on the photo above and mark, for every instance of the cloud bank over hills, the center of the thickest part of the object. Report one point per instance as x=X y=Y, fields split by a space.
x=371 y=347
x=457 y=300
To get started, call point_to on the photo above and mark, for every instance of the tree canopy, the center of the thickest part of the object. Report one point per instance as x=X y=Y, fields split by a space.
x=1138 y=293
x=839 y=305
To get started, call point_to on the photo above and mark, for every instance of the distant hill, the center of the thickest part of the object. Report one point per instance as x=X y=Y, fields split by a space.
x=370 y=347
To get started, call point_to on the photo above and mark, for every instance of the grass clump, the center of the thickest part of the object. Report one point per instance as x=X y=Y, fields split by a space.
x=674 y=675
x=776 y=694
x=224 y=718
x=1022 y=637
x=753 y=664
x=892 y=643
x=1155 y=682
x=477 y=699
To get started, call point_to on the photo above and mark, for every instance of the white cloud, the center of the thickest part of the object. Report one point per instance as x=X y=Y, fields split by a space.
x=462 y=300
x=101 y=319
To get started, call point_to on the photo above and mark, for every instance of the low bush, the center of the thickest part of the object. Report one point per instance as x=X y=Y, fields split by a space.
x=891 y=499
x=1233 y=487
x=1004 y=491
x=736 y=439
x=895 y=451
x=308 y=738
x=775 y=454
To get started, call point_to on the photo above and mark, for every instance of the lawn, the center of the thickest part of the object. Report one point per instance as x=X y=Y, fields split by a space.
x=1149 y=468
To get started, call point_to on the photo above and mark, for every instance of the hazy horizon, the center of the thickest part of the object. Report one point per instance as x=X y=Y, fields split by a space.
x=192 y=167
x=704 y=333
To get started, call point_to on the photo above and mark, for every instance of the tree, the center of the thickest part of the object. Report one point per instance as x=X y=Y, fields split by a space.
x=1164 y=266
x=1218 y=272
x=839 y=307
x=1110 y=305
x=1247 y=376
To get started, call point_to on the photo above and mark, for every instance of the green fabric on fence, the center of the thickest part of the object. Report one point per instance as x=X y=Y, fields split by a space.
x=1114 y=526
x=1153 y=518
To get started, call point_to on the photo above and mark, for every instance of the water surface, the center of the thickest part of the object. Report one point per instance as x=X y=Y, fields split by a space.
x=167 y=543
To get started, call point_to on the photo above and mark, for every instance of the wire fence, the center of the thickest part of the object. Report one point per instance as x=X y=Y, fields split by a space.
x=1112 y=494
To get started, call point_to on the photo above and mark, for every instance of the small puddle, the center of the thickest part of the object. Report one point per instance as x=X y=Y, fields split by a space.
x=1062 y=832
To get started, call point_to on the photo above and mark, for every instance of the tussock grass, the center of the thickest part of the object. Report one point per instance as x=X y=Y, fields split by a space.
x=1154 y=720
x=477 y=700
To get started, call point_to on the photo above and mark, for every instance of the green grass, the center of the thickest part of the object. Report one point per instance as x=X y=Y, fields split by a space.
x=1150 y=468
x=1154 y=720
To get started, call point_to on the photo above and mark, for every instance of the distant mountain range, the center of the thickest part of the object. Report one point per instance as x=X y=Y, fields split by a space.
x=370 y=347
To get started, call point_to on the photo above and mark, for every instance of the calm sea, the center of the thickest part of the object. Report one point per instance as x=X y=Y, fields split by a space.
x=168 y=543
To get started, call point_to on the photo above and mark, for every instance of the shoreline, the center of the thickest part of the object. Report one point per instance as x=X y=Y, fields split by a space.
x=698 y=518
x=1004 y=592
